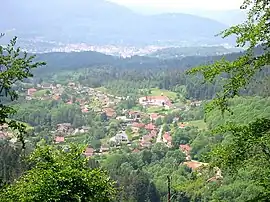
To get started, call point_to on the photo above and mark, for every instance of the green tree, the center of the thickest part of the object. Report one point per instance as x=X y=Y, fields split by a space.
x=58 y=175
x=181 y=91
x=255 y=34
x=159 y=121
x=248 y=145
x=96 y=144
x=177 y=156
x=143 y=131
x=146 y=120
x=48 y=92
x=14 y=66
x=166 y=128
x=129 y=131
x=64 y=97
x=11 y=165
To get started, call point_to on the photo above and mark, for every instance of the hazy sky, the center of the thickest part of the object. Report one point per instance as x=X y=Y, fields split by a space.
x=183 y=4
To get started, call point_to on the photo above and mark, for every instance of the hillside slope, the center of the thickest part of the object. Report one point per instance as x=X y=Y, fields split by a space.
x=176 y=52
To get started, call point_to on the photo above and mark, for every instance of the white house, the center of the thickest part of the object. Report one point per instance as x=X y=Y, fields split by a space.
x=118 y=138
x=155 y=100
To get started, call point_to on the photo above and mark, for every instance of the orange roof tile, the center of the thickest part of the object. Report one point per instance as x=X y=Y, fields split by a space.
x=185 y=147
x=167 y=136
x=138 y=125
x=193 y=164
x=150 y=127
x=59 y=139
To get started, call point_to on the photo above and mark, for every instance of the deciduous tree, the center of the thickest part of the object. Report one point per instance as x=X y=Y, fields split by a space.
x=14 y=66
x=59 y=175
x=249 y=145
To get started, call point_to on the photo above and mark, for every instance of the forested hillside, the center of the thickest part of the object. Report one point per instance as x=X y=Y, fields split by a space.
x=127 y=76
x=178 y=52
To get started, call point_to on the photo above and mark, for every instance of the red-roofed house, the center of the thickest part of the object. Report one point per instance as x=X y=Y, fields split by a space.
x=69 y=102
x=182 y=125
x=134 y=114
x=109 y=112
x=135 y=150
x=154 y=117
x=194 y=165
x=167 y=138
x=89 y=152
x=59 y=139
x=84 y=110
x=168 y=104
x=31 y=91
x=185 y=148
x=136 y=126
x=153 y=133
x=150 y=126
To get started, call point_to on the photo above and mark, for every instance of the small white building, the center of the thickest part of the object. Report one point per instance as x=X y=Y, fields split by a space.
x=118 y=138
x=155 y=100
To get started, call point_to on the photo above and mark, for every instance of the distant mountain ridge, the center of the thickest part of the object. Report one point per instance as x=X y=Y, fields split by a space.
x=229 y=17
x=103 y=22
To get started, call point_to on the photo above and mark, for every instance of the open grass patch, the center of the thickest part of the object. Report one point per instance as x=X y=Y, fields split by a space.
x=102 y=89
x=158 y=92
x=198 y=123
x=76 y=139
x=40 y=93
x=158 y=110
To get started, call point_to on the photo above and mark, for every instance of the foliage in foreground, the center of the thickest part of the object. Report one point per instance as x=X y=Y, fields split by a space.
x=255 y=34
x=14 y=66
x=247 y=146
x=60 y=175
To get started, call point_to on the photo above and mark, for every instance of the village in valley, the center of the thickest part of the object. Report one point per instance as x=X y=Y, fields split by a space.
x=140 y=127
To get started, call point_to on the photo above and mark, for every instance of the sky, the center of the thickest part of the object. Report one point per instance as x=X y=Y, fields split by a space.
x=173 y=5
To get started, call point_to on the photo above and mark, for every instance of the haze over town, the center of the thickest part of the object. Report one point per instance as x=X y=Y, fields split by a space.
x=126 y=28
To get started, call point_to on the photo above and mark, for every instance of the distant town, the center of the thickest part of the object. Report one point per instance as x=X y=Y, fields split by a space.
x=37 y=45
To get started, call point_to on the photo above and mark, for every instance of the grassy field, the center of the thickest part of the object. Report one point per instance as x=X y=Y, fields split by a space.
x=102 y=89
x=40 y=93
x=153 y=109
x=157 y=92
x=159 y=110
x=198 y=123
x=76 y=138
x=136 y=108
